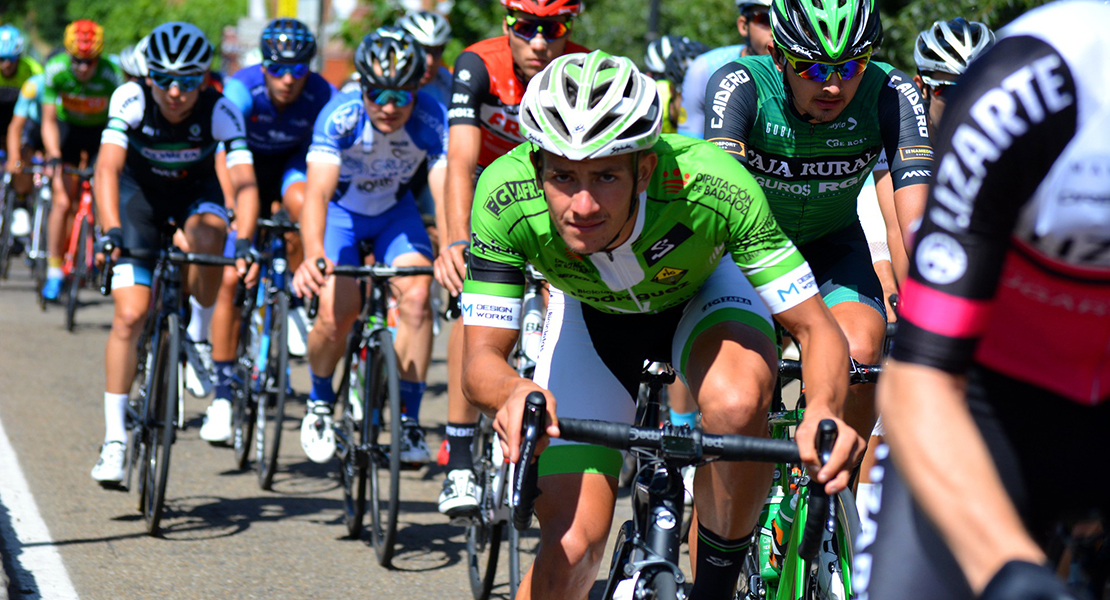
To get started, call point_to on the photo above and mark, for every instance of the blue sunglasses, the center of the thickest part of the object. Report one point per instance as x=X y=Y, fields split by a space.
x=279 y=69
x=382 y=97
x=185 y=83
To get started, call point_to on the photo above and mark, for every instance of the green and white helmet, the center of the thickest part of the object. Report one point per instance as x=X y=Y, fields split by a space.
x=828 y=31
x=591 y=105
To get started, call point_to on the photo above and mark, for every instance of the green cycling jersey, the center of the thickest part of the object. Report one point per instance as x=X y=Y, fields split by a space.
x=812 y=173
x=9 y=86
x=699 y=204
x=83 y=103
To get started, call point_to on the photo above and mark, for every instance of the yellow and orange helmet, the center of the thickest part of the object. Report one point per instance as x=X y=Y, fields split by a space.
x=84 y=39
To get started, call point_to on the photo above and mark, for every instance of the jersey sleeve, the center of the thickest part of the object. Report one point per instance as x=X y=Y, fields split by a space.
x=1003 y=129
x=125 y=112
x=771 y=262
x=28 y=96
x=730 y=117
x=236 y=91
x=495 y=269
x=228 y=127
x=905 y=131
x=54 y=67
x=470 y=83
x=336 y=129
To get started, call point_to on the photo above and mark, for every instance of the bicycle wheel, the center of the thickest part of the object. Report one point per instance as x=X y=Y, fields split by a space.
x=162 y=408
x=350 y=441
x=38 y=245
x=80 y=272
x=271 y=403
x=243 y=402
x=6 y=212
x=661 y=584
x=384 y=440
x=484 y=532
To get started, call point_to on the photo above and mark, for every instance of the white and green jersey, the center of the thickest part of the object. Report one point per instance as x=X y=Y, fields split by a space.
x=699 y=204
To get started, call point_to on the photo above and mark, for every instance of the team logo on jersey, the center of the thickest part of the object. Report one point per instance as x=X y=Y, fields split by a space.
x=344 y=120
x=669 y=275
x=194 y=129
x=940 y=258
x=674 y=181
x=510 y=192
x=463 y=75
x=664 y=245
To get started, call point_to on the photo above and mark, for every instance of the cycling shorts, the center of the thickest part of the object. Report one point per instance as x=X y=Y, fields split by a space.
x=275 y=173
x=143 y=223
x=31 y=136
x=841 y=263
x=395 y=232
x=75 y=139
x=1044 y=447
x=591 y=361
x=7 y=109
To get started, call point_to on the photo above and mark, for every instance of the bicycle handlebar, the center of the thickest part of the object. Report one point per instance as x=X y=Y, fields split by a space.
x=857 y=372
x=526 y=472
x=819 y=509
x=374 y=271
x=174 y=255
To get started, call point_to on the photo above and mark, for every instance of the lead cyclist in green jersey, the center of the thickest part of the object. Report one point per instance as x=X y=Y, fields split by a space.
x=631 y=229
x=810 y=121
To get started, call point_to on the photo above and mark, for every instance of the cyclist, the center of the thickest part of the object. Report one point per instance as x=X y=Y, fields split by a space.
x=810 y=121
x=15 y=71
x=490 y=77
x=74 y=111
x=432 y=31
x=995 y=398
x=630 y=226
x=132 y=61
x=673 y=75
x=369 y=150
x=158 y=165
x=942 y=53
x=754 y=25
x=280 y=99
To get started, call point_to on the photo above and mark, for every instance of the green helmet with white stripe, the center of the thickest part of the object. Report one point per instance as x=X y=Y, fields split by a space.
x=591 y=105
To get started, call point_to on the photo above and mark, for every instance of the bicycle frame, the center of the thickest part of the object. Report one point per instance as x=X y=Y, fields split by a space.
x=273 y=279
x=84 y=214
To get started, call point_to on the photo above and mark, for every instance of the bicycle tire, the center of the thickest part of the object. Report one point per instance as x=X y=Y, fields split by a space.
x=271 y=403
x=383 y=388
x=164 y=403
x=243 y=401
x=38 y=267
x=483 y=534
x=662 y=584
x=622 y=550
x=350 y=442
x=77 y=277
x=141 y=427
x=6 y=214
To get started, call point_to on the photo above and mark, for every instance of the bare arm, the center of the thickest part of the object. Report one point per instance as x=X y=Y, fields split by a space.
x=109 y=165
x=244 y=189
x=884 y=190
x=322 y=179
x=15 y=132
x=910 y=206
x=941 y=454
x=225 y=180
x=437 y=181
x=825 y=366
x=51 y=135
x=464 y=146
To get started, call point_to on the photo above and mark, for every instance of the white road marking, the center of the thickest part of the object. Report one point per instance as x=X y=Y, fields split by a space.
x=27 y=542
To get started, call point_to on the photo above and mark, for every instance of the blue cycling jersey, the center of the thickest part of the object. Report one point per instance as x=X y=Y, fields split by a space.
x=268 y=130
x=440 y=86
x=29 y=104
x=376 y=168
x=693 y=86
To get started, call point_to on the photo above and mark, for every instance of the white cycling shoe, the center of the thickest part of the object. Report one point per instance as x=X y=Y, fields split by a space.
x=317 y=434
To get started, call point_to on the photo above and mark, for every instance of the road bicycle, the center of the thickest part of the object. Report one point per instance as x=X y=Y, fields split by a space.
x=78 y=265
x=368 y=424
x=645 y=561
x=156 y=411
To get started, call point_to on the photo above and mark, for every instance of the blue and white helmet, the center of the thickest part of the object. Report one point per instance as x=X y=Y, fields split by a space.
x=11 y=41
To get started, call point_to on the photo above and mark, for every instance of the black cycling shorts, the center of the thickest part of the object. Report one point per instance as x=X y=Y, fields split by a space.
x=32 y=136
x=75 y=139
x=841 y=263
x=1048 y=451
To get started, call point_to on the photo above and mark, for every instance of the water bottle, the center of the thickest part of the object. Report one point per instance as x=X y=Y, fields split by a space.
x=531 y=329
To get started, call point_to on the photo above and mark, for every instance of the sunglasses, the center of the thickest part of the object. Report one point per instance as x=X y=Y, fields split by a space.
x=758 y=17
x=82 y=62
x=279 y=69
x=435 y=51
x=938 y=87
x=822 y=72
x=399 y=98
x=529 y=29
x=185 y=83
x=14 y=58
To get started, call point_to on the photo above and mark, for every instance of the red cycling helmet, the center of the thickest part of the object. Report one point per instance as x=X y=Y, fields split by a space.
x=84 y=39
x=545 y=8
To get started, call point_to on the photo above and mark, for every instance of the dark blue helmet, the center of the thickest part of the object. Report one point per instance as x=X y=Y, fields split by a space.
x=288 y=41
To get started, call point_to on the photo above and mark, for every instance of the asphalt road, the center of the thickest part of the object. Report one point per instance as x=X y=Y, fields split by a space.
x=223 y=536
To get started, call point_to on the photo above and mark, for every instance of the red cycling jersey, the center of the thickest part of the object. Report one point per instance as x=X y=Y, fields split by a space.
x=486 y=92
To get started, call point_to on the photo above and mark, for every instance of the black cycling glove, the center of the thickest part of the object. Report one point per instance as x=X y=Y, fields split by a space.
x=244 y=249
x=113 y=236
x=1020 y=580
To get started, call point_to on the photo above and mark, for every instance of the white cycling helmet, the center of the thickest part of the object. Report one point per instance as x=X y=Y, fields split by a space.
x=427 y=27
x=132 y=59
x=178 y=49
x=949 y=46
x=591 y=105
x=742 y=5
x=655 y=59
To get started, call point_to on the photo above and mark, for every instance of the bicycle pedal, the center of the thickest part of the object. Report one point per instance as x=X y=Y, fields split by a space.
x=463 y=521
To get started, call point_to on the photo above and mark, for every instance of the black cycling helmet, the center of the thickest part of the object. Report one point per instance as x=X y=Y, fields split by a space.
x=288 y=41
x=828 y=31
x=390 y=58
x=683 y=54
